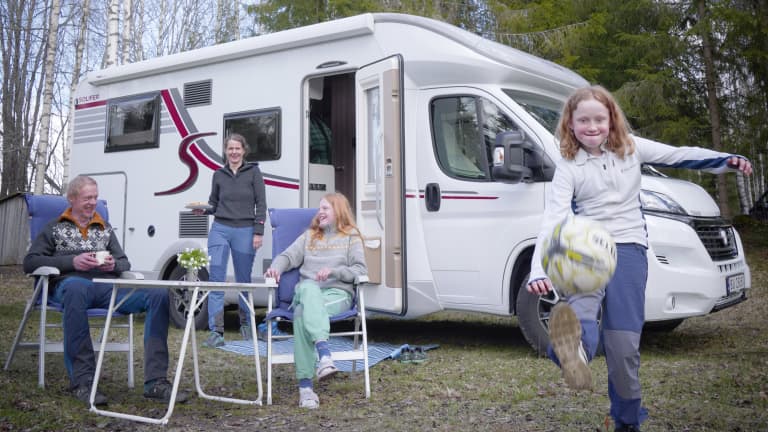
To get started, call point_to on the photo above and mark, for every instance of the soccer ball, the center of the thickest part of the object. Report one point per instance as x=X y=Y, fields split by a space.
x=579 y=256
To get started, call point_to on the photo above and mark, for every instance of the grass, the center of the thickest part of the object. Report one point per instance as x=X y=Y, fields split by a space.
x=710 y=374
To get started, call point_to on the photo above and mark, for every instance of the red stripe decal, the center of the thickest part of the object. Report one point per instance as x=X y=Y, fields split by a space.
x=270 y=182
x=466 y=197
x=205 y=160
x=90 y=105
x=174 y=113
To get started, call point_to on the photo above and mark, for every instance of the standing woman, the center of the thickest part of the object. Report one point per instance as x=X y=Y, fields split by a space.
x=329 y=256
x=238 y=203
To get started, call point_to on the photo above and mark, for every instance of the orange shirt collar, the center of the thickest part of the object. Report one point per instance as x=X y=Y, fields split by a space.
x=95 y=220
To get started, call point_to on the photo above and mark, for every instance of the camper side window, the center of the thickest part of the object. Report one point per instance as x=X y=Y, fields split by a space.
x=261 y=129
x=463 y=132
x=133 y=122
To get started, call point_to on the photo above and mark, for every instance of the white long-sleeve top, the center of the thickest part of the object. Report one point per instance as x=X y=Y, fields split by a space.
x=606 y=189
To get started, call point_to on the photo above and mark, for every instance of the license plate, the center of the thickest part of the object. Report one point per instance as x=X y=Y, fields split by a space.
x=735 y=284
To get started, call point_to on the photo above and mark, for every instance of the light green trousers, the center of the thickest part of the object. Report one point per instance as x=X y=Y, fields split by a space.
x=312 y=308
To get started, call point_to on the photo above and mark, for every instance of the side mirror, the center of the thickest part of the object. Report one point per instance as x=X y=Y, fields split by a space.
x=516 y=159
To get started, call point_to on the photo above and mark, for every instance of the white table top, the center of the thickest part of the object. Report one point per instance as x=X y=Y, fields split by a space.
x=187 y=284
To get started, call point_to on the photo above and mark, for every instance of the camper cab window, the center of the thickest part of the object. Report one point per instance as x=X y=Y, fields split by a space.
x=544 y=110
x=464 y=130
x=133 y=122
x=261 y=129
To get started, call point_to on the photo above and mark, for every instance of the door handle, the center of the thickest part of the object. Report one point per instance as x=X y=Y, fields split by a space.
x=432 y=197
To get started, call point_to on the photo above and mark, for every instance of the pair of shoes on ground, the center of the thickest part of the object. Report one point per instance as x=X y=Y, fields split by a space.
x=565 y=337
x=308 y=398
x=159 y=390
x=325 y=368
x=627 y=428
x=415 y=355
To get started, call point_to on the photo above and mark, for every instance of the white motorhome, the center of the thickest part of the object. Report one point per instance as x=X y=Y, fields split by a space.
x=407 y=111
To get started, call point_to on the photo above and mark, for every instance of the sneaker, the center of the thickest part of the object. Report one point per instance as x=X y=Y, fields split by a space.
x=565 y=336
x=406 y=355
x=160 y=390
x=418 y=355
x=326 y=368
x=261 y=330
x=246 y=333
x=308 y=398
x=83 y=394
x=214 y=340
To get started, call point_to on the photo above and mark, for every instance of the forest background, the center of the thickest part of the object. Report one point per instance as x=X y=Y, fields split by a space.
x=685 y=72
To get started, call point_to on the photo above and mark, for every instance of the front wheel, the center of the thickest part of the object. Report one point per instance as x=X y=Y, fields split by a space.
x=180 y=299
x=533 y=313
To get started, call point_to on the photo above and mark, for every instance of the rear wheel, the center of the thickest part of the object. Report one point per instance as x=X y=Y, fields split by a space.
x=180 y=302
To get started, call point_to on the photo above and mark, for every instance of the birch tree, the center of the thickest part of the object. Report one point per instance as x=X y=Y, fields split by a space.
x=79 y=48
x=45 y=118
x=127 y=31
x=110 y=54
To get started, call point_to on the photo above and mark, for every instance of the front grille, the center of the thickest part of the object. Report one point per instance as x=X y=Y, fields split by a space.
x=192 y=225
x=718 y=239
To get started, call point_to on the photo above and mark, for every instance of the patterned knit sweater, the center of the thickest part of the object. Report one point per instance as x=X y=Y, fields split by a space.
x=341 y=253
x=62 y=240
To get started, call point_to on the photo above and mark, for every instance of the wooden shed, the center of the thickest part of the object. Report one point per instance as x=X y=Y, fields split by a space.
x=14 y=229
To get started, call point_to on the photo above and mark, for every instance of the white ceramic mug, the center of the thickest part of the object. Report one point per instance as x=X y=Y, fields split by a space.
x=101 y=256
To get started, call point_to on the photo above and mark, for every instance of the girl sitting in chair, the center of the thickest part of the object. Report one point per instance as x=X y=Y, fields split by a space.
x=329 y=256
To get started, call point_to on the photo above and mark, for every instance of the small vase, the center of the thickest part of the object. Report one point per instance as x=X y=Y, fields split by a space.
x=191 y=275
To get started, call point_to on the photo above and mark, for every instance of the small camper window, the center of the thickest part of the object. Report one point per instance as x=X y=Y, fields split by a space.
x=133 y=122
x=261 y=129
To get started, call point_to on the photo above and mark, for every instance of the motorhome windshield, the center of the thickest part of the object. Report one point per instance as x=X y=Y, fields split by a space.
x=543 y=109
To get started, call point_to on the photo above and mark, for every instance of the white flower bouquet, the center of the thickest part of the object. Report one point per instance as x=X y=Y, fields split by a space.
x=193 y=259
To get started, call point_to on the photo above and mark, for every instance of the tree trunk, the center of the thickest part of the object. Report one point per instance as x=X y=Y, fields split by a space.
x=110 y=56
x=45 y=118
x=710 y=77
x=127 y=30
x=79 y=48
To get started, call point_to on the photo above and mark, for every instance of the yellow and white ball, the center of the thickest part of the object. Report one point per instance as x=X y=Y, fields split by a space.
x=579 y=256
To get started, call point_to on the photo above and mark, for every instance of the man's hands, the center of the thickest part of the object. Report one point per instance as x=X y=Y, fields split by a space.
x=272 y=273
x=87 y=261
x=258 y=239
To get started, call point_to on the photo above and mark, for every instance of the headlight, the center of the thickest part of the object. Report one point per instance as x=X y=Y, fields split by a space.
x=655 y=201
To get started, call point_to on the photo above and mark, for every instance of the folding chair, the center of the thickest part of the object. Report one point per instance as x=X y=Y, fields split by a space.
x=287 y=225
x=42 y=209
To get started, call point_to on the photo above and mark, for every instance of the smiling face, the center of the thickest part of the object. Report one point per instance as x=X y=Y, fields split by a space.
x=235 y=153
x=84 y=203
x=591 y=124
x=326 y=215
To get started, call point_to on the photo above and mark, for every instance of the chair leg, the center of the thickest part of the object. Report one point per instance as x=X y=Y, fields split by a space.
x=41 y=356
x=130 y=351
x=16 y=340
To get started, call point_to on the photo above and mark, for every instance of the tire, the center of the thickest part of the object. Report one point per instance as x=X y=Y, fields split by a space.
x=663 y=326
x=533 y=317
x=179 y=302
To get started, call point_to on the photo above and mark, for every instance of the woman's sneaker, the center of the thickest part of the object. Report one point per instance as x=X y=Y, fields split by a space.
x=214 y=340
x=326 y=368
x=565 y=336
x=308 y=399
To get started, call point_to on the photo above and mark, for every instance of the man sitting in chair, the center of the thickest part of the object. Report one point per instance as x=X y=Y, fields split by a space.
x=83 y=246
x=329 y=256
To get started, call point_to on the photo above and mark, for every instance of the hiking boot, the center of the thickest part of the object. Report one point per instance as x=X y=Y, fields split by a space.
x=308 y=398
x=246 y=332
x=325 y=368
x=160 y=390
x=418 y=355
x=214 y=340
x=565 y=336
x=83 y=394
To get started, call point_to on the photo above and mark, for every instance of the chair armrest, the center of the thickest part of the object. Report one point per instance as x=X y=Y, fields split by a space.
x=45 y=271
x=132 y=275
x=361 y=279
